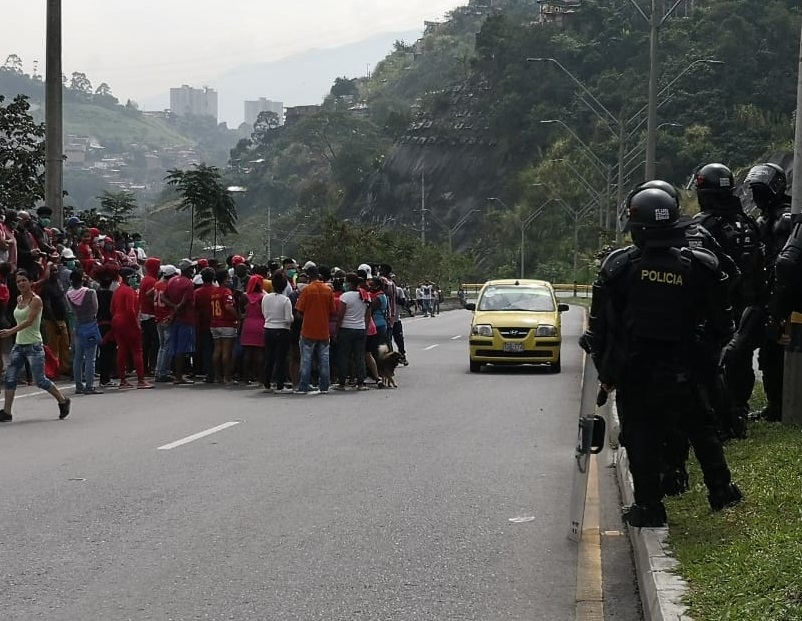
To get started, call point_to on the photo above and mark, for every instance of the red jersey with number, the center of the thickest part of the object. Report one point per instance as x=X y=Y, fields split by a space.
x=160 y=310
x=222 y=305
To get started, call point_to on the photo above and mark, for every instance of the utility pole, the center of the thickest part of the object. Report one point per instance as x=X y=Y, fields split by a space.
x=269 y=233
x=422 y=207
x=619 y=200
x=792 y=386
x=651 y=127
x=54 y=139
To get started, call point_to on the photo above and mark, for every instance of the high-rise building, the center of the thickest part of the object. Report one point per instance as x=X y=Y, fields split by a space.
x=186 y=101
x=253 y=108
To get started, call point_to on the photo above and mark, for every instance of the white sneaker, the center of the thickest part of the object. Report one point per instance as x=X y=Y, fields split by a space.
x=314 y=392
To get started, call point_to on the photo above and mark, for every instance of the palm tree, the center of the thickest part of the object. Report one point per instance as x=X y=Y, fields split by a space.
x=212 y=207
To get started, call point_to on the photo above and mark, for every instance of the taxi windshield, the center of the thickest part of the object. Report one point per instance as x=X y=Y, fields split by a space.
x=516 y=298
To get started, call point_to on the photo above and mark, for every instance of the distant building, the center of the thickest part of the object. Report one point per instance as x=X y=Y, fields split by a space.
x=253 y=108
x=187 y=101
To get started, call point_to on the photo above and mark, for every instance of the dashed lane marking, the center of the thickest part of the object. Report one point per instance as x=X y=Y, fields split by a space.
x=456 y=338
x=197 y=436
x=430 y=347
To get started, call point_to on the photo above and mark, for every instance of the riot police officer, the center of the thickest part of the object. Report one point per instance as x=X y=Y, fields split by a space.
x=710 y=378
x=768 y=184
x=723 y=216
x=648 y=302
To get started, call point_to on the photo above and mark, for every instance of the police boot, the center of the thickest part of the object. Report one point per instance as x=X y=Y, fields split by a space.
x=771 y=413
x=737 y=425
x=674 y=482
x=646 y=516
x=724 y=496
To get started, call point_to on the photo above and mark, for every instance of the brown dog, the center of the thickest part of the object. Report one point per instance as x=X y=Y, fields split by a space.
x=386 y=364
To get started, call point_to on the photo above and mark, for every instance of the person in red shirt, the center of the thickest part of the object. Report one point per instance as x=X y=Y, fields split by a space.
x=127 y=333
x=162 y=313
x=86 y=253
x=223 y=328
x=203 y=324
x=147 y=315
x=180 y=297
x=315 y=305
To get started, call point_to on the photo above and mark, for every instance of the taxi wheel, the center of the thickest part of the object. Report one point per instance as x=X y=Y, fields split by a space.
x=475 y=367
x=555 y=367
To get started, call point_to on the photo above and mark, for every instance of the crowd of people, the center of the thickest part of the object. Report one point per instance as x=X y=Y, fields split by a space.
x=94 y=308
x=676 y=319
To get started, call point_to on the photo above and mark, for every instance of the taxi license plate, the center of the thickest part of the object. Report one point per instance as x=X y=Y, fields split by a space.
x=514 y=347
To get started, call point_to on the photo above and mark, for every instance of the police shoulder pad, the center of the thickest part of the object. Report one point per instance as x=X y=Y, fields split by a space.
x=705 y=258
x=617 y=261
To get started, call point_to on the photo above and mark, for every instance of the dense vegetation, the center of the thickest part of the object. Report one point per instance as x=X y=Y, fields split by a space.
x=473 y=68
x=460 y=113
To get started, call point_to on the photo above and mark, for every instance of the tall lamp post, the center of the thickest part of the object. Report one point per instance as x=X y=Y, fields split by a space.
x=523 y=222
x=619 y=127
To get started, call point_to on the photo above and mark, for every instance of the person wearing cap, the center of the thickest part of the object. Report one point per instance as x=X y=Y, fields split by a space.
x=126 y=329
x=66 y=267
x=162 y=313
x=180 y=298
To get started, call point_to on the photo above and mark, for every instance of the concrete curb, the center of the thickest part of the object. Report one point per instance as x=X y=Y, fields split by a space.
x=661 y=589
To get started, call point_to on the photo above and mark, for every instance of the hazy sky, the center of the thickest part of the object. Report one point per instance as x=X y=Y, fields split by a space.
x=142 y=47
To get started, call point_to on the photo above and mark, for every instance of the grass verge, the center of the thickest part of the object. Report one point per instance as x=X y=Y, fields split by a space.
x=745 y=563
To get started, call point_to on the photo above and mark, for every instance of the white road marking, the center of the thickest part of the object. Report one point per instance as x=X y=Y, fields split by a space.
x=197 y=436
x=430 y=347
x=456 y=338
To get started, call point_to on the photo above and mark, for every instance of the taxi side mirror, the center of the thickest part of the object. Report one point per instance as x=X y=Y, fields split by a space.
x=562 y=308
x=470 y=306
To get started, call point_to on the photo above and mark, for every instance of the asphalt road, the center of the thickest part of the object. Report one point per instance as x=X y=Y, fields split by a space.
x=381 y=505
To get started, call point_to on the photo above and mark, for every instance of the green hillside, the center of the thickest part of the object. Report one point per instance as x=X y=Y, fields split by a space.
x=119 y=126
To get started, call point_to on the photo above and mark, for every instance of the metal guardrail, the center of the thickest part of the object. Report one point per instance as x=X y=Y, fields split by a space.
x=577 y=290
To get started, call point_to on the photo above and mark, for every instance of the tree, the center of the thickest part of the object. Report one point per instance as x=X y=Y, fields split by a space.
x=264 y=127
x=211 y=205
x=13 y=63
x=118 y=206
x=343 y=87
x=80 y=83
x=103 y=95
x=22 y=155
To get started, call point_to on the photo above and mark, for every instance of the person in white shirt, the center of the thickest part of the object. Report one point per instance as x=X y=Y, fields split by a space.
x=277 y=310
x=352 y=321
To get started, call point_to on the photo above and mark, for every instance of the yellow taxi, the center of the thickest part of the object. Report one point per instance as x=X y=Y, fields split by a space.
x=515 y=321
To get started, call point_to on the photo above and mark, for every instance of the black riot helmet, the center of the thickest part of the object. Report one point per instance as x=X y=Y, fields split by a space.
x=767 y=182
x=651 y=208
x=714 y=182
x=657 y=184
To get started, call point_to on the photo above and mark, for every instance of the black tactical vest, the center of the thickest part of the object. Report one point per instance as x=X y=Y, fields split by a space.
x=660 y=298
x=739 y=237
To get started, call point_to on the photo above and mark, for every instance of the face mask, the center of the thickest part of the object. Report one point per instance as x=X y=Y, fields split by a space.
x=291 y=273
x=138 y=244
x=70 y=265
x=346 y=287
x=44 y=221
x=131 y=245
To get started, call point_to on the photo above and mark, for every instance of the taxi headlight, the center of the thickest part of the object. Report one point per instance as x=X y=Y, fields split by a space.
x=546 y=330
x=482 y=330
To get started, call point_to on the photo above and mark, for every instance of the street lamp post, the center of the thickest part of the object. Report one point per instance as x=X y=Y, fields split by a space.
x=523 y=222
x=618 y=127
